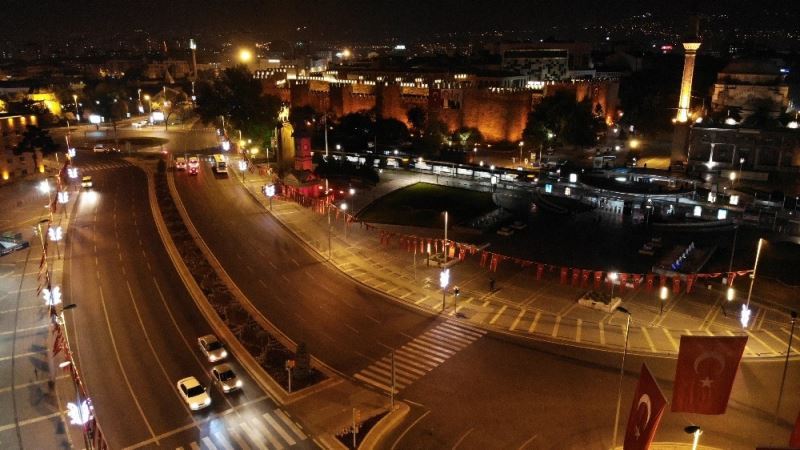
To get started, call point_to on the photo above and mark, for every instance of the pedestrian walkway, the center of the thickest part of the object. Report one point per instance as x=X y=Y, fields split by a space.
x=521 y=304
x=273 y=431
x=95 y=166
x=419 y=356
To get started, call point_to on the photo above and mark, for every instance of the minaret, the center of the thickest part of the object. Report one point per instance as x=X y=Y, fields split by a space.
x=681 y=136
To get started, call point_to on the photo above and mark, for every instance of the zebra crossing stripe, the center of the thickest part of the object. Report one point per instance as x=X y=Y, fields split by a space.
x=429 y=350
x=377 y=384
x=279 y=429
x=436 y=341
x=463 y=330
x=297 y=432
x=254 y=436
x=238 y=439
x=453 y=334
x=408 y=372
x=429 y=361
x=222 y=441
x=264 y=431
x=386 y=374
x=208 y=444
x=453 y=339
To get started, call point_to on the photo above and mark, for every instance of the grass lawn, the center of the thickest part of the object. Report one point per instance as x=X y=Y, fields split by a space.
x=421 y=205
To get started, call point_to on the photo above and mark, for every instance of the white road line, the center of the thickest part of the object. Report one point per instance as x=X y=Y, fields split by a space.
x=238 y=439
x=602 y=332
x=286 y=437
x=438 y=342
x=270 y=437
x=578 y=330
x=647 y=338
x=670 y=338
x=454 y=338
x=23 y=330
x=498 y=314
x=421 y=300
x=292 y=426
x=428 y=350
x=23 y=423
x=555 y=327
x=761 y=341
x=377 y=384
x=222 y=441
x=535 y=322
x=408 y=349
x=208 y=444
x=121 y=367
x=254 y=436
x=402 y=371
x=516 y=321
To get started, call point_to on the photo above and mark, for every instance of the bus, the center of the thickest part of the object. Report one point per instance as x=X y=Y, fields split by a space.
x=220 y=166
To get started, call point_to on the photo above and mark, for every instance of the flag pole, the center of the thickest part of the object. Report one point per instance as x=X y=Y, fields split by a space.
x=621 y=374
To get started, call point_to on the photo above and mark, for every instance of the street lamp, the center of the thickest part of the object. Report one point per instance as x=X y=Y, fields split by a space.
x=695 y=431
x=245 y=55
x=521 y=144
x=621 y=374
x=745 y=317
x=77 y=113
x=150 y=104
x=343 y=207
x=663 y=293
x=613 y=277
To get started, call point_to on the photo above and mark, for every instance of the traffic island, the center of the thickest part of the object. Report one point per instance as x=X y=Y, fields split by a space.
x=272 y=354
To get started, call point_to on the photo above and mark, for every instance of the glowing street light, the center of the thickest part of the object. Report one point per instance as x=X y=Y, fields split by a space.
x=245 y=55
x=613 y=277
x=663 y=294
x=77 y=113
x=343 y=207
x=63 y=197
x=745 y=316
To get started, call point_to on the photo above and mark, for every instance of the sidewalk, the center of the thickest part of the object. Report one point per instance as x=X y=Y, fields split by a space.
x=522 y=306
x=35 y=413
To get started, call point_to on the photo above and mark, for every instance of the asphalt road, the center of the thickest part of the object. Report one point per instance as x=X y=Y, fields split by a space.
x=135 y=329
x=487 y=393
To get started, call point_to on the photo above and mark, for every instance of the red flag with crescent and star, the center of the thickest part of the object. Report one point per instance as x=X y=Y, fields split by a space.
x=707 y=366
x=646 y=411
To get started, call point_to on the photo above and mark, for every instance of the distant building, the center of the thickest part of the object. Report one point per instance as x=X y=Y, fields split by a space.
x=719 y=147
x=538 y=65
x=745 y=86
x=16 y=166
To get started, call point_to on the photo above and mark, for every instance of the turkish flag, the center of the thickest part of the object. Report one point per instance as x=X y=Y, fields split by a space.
x=707 y=366
x=794 y=441
x=646 y=411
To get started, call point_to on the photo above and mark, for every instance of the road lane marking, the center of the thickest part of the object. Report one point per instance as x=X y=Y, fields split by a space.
x=647 y=338
x=292 y=426
x=121 y=367
x=208 y=443
x=555 y=327
x=761 y=341
x=22 y=355
x=254 y=435
x=461 y=439
x=516 y=321
x=602 y=332
x=224 y=442
x=274 y=424
x=579 y=323
x=264 y=431
x=670 y=338
x=497 y=315
x=32 y=420
x=23 y=330
x=535 y=322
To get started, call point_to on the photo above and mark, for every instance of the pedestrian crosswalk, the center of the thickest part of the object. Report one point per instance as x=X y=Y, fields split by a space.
x=272 y=430
x=419 y=356
x=91 y=167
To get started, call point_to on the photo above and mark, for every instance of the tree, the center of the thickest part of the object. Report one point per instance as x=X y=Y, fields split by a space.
x=35 y=138
x=237 y=96
x=109 y=99
x=301 y=117
x=417 y=117
x=390 y=131
x=572 y=122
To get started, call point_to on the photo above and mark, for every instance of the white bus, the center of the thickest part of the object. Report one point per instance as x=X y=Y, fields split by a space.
x=220 y=165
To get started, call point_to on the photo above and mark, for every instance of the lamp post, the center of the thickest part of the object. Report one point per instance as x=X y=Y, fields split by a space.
x=77 y=112
x=521 y=145
x=663 y=294
x=745 y=317
x=621 y=374
x=695 y=431
x=613 y=277
x=785 y=365
x=741 y=163
x=343 y=207
x=149 y=105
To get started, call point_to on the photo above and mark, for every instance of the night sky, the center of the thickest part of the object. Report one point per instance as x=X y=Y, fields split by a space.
x=346 y=19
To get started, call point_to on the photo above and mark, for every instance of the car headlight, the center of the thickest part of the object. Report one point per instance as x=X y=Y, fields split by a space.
x=212 y=358
x=238 y=383
x=207 y=402
x=223 y=354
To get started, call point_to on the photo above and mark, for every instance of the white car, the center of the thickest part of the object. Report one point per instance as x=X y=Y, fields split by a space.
x=226 y=377
x=600 y=300
x=212 y=348
x=193 y=393
x=139 y=124
x=99 y=148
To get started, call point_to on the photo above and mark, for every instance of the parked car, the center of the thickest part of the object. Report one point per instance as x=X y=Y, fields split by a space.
x=226 y=377
x=212 y=348
x=193 y=393
x=10 y=245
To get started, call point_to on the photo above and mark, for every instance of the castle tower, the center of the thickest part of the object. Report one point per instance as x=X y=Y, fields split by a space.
x=686 y=82
x=680 y=138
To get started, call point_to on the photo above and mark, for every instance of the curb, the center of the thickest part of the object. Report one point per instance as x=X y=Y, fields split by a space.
x=386 y=424
x=203 y=305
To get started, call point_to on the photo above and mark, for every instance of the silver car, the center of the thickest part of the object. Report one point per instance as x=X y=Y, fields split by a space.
x=212 y=348
x=226 y=377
